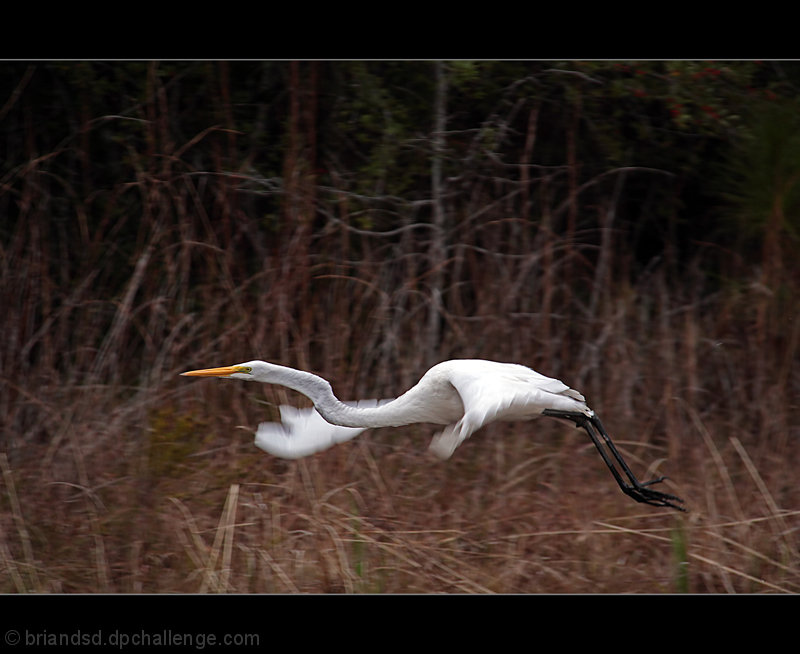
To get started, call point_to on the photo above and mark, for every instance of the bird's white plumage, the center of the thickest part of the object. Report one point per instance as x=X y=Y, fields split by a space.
x=491 y=391
x=302 y=432
x=464 y=394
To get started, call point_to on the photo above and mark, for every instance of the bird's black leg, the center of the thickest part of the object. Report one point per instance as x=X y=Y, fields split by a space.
x=639 y=491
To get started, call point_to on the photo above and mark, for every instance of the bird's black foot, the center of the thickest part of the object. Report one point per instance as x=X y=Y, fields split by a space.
x=633 y=488
x=641 y=493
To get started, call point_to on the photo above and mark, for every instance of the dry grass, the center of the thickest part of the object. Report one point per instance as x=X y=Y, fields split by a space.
x=180 y=501
x=120 y=476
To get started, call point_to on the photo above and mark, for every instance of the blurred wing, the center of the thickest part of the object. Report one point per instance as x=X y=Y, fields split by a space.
x=302 y=432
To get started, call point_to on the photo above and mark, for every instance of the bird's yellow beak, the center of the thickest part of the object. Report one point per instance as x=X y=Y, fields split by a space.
x=212 y=372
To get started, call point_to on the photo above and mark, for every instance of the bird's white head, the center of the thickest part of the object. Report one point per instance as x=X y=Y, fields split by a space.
x=248 y=371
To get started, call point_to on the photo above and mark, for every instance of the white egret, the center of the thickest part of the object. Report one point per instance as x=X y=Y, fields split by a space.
x=463 y=394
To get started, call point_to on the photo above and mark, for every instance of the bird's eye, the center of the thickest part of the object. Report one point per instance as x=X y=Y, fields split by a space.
x=248 y=369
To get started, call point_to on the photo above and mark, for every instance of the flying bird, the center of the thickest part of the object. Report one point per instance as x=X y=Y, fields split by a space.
x=463 y=394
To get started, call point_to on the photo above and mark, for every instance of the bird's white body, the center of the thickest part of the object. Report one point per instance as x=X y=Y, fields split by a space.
x=464 y=394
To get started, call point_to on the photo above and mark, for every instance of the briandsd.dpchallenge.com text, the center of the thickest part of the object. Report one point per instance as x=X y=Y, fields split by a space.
x=126 y=638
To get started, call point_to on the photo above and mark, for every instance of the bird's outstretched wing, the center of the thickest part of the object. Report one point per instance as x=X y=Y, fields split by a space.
x=302 y=432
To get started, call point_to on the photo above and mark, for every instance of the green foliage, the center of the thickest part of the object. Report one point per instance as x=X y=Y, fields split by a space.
x=681 y=558
x=763 y=173
x=381 y=113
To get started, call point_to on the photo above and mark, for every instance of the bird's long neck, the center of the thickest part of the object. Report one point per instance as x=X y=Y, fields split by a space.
x=319 y=391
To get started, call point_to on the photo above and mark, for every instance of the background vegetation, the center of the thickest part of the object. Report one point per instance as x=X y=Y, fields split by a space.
x=628 y=227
